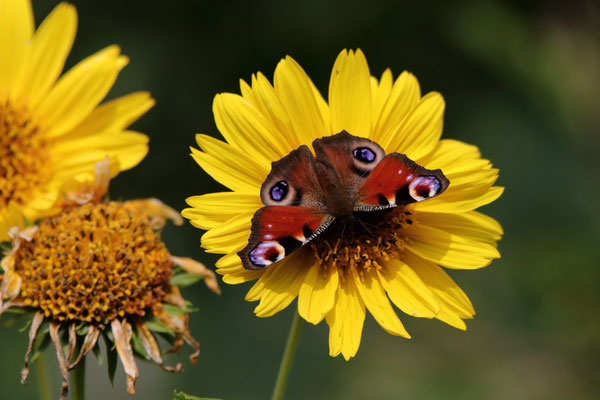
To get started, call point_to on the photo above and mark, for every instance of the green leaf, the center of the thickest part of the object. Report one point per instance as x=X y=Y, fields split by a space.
x=183 y=396
x=156 y=326
x=111 y=357
x=98 y=353
x=137 y=345
x=184 y=279
x=174 y=310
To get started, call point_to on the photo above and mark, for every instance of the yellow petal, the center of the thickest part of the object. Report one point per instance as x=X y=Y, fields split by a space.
x=229 y=166
x=420 y=132
x=229 y=237
x=447 y=249
x=407 y=291
x=450 y=154
x=80 y=90
x=350 y=94
x=280 y=284
x=454 y=302
x=304 y=104
x=50 y=46
x=11 y=217
x=234 y=273
x=246 y=129
x=457 y=200
x=16 y=28
x=346 y=320
x=317 y=293
x=113 y=116
x=212 y=209
x=471 y=225
x=129 y=148
x=401 y=99
x=380 y=91
x=373 y=295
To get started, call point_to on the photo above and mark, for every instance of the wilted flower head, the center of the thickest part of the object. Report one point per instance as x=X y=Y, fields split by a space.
x=100 y=268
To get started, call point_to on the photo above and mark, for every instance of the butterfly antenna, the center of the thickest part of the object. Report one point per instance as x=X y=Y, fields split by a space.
x=364 y=225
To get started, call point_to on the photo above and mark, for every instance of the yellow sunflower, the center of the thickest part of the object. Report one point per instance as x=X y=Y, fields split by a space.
x=51 y=127
x=340 y=274
x=98 y=267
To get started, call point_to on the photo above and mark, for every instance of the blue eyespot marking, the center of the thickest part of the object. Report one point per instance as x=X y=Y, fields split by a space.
x=364 y=154
x=279 y=191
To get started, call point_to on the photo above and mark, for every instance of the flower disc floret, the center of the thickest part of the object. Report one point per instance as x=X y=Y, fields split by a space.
x=96 y=262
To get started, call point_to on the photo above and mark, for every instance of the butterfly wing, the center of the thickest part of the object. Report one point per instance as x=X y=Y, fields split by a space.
x=277 y=231
x=294 y=214
x=397 y=180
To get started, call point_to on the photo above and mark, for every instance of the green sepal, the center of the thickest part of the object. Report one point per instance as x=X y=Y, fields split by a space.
x=138 y=347
x=184 y=279
x=111 y=358
x=156 y=326
x=174 y=310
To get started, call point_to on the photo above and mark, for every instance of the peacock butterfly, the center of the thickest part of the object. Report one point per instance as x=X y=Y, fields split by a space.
x=348 y=176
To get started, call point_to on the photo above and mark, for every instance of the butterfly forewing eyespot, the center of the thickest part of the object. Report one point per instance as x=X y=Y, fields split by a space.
x=279 y=191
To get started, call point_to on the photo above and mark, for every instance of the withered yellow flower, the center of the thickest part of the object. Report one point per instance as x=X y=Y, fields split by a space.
x=98 y=267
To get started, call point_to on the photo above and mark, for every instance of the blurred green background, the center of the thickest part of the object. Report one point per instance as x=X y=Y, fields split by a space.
x=521 y=81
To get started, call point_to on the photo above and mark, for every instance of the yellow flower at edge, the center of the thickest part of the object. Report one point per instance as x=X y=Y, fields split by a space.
x=339 y=275
x=51 y=127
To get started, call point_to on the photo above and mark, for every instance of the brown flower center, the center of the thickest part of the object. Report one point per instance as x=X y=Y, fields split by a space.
x=361 y=240
x=94 y=262
x=23 y=155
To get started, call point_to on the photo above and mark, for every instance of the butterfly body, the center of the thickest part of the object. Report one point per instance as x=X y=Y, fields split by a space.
x=347 y=177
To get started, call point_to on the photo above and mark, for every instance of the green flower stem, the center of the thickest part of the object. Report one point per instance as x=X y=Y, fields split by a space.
x=78 y=381
x=288 y=358
x=41 y=373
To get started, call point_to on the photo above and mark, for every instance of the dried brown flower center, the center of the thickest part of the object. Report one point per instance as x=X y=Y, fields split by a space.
x=23 y=154
x=361 y=240
x=94 y=263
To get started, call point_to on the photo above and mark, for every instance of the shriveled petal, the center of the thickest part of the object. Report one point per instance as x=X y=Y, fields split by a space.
x=212 y=209
x=346 y=320
x=447 y=249
x=35 y=325
x=11 y=284
x=229 y=166
x=373 y=295
x=90 y=340
x=393 y=106
x=406 y=290
x=304 y=104
x=80 y=90
x=50 y=46
x=122 y=333
x=197 y=268
x=419 y=132
x=280 y=283
x=454 y=302
x=71 y=344
x=350 y=94
x=158 y=211
x=16 y=28
x=317 y=292
x=62 y=364
x=148 y=341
